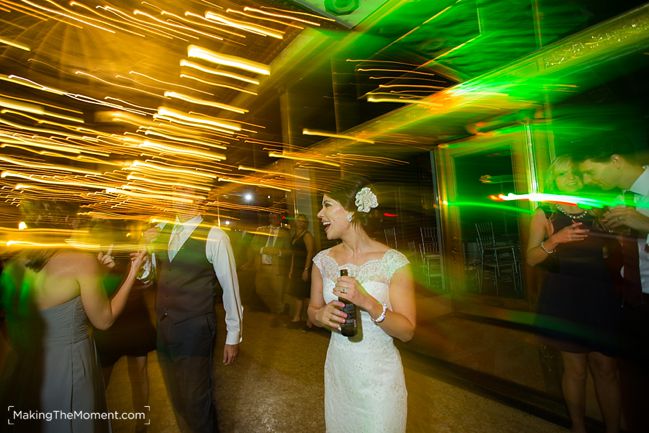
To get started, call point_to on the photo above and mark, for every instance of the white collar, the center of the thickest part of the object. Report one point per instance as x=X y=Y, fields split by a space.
x=641 y=184
x=190 y=223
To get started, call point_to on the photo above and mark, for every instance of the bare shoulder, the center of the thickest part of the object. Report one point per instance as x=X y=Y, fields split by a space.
x=73 y=262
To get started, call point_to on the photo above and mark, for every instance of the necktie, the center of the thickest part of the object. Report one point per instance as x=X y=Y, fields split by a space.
x=175 y=241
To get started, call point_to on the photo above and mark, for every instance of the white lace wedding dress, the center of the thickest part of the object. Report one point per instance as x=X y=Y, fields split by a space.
x=365 y=391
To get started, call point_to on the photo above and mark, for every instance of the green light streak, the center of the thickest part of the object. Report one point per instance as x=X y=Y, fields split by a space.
x=490 y=205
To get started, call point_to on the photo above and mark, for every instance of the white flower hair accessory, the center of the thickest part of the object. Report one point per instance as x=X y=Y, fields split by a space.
x=365 y=200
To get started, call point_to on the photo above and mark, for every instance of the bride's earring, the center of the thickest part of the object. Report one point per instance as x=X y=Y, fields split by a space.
x=349 y=217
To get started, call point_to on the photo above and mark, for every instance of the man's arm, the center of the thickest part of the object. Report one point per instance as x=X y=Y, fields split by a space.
x=220 y=255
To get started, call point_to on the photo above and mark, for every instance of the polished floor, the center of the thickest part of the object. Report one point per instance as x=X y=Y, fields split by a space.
x=276 y=385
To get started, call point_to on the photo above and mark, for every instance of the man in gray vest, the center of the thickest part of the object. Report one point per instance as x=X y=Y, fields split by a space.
x=193 y=260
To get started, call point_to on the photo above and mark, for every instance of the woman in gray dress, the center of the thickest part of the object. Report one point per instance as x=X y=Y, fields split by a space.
x=49 y=295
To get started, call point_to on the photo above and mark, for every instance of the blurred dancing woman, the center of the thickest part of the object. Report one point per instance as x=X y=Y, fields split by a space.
x=364 y=383
x=299 y=275
x=48 y=295
x=578 y=309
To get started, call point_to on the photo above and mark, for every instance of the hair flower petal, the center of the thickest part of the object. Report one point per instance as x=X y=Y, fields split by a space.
x=366 y=200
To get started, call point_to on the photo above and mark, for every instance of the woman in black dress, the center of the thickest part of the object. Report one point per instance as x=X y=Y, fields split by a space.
x=133 y=334
x=299 y=275
x=578 y=307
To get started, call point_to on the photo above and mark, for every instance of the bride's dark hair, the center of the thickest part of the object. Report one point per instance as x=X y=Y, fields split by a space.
x=46 y=214
x=344 y=191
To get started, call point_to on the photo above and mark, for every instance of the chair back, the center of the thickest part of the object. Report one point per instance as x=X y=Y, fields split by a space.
x=485 y=232
x=391 y=237
x=428 y=249
x=428 y=234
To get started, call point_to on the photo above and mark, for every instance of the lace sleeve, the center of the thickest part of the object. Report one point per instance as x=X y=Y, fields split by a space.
x=395 y=261
x=317 y=260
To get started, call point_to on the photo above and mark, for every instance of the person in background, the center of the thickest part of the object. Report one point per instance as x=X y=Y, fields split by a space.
x=299 y=275
x=193 y=260
x=271 y=249
x=49 y=295
x=132 y=335
x=619 y=168
x=365 y=388
x=578 y=309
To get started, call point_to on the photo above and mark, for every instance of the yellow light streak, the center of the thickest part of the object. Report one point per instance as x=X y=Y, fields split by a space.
x=90 y=100
x=25 y=10
x=34 y=164
x=157 y=95
x=38 y=179
x=172 y=193
x=275 y=173
x=260 y=184
x=121 y=101
x=29 y=83
x=202 y=18
x=300 y=13
x=209 y=143
x=23 y=186
x=290 y=17
x=68 y=14
x=183 y=151
x=214 y=130
x=167 y=83
x=43 y=103
x=162 y=182
x=14 y=44
x=371 y=98
x=212 y=83
x=182 y=96
x=22 y=106
x=175 y=114
x=422 y=86
x=184 y=27
x=135 y=22
x=164 y=24
x=151 y=196
x=43 y=113
x=54 y=245
x=190 y=64
x=299 y=157
x=317 y=132
x=32 y=143
x=398 y=71
x=195 y=51
x=243 y=25
x=168 y=170
x=76 y=4
x=257 y=17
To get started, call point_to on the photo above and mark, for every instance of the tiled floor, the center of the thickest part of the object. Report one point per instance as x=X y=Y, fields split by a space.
x=276 y=385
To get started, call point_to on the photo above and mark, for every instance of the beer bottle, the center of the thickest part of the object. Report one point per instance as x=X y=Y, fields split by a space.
x=349 y=328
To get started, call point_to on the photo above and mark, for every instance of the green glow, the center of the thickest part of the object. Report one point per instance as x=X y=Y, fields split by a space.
x=490 y=205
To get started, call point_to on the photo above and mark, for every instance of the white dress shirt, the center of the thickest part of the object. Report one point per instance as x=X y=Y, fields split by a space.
x=219 y=253
x=641 y=188
x=273 y=232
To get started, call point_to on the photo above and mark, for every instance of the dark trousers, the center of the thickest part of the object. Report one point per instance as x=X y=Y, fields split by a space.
x=185 y=353
x=634 y=367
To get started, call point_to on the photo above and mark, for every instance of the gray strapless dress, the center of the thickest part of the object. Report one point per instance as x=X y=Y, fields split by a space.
x=57 y=372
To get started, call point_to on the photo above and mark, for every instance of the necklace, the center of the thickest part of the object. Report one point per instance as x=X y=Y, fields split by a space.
x=572 y=216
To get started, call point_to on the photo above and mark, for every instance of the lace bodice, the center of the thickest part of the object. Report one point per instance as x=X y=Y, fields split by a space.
x=374 y=275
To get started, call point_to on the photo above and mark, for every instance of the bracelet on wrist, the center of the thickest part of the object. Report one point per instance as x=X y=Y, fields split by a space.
x=545 y=250
x=381 y=317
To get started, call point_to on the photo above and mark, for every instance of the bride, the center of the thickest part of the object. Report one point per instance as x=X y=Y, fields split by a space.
x=364 y=383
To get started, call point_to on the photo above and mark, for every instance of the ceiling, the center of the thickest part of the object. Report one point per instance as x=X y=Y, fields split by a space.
x=113 y=103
